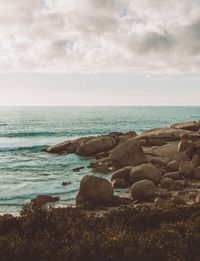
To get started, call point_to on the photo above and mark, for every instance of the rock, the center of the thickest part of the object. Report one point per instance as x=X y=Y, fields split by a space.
x=166 y=151
x=173 y=175
x=196 y=160
x=65 y=183
x=96 y=145
x=122 y=173
x=102 y=168
x=43 y=199
x=156 y=142
x=166 y=183
x=167 y=134
x=120 y=183
x=145 y=171
x=198 y=196
x=178 y=185
x=77 y=169
x=67 y=146
x=197 y=173
x=159 y=201
x=143 y=190
x=192 y=195
x=172 y=166
x=180 y=156
x=186 y=168
x=163 y=193
x=94 y=190
x=160 y=161
x=129 y=153
x=178 y=200
x=190 y=125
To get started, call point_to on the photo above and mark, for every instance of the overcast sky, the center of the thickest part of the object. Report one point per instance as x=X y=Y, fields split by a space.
x=99 y=52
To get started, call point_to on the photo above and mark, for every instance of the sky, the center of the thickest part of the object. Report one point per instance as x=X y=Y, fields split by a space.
x=99 y=52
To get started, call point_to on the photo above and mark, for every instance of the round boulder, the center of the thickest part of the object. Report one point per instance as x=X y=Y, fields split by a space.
x=143 y=190
x=166 y=183
x=172 y=166
x=145 y=171
x=186 y=168
x=128 y=153
x=94 y=190
x=96 y=145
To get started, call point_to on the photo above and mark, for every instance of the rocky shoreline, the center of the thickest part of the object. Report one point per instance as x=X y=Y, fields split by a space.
x=158 y=167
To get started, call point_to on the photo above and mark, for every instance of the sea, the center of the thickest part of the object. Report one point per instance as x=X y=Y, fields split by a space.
x=26 y=171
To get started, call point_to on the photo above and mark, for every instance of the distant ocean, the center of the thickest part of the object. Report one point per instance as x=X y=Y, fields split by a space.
x=26 y=172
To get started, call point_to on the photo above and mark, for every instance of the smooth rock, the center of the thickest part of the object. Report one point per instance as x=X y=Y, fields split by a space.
x=145 y=171
x=172 y=166
x=129 y=153
x=94 y=190
x=178 y=185
x=96 y=145
x=180 y=156
x=143 y=190
x=122 y=173
x=43 y=199
x=173 y=175
x=166 y=183
x=186 y=168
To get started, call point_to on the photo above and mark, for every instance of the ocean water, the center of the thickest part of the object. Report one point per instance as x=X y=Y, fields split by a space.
x=26 y=172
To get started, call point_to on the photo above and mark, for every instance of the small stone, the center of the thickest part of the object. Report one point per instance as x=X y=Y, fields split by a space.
x=178 y=200
x=65 y=183
x=159 y=201
x=172 y=166
x=186 y=168
x=178 y=185
x=166 y=183
x=173 y=175
x=163 y=193
x=78 y=169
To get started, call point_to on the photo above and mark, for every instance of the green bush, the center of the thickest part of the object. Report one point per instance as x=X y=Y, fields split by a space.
x=139 y=234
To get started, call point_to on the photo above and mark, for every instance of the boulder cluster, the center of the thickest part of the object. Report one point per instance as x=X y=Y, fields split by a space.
x=161 y=166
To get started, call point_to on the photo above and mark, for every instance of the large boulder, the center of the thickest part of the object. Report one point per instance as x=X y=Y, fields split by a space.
x=129 y=153
x=143 y=190
x=96 y=145
x=94 y=190
x=67 y=146
x=145 y=171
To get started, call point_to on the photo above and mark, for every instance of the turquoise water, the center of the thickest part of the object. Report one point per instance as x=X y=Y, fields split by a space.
x=25 y=171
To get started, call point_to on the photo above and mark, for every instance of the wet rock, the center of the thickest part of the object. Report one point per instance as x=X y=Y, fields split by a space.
x=43 y=199
x=120 y=183
x=178 y=200
x=77 y=169
x=122 y=173
x=65 y=183
x=94 y=190
x=172 y=166
x=143 y=190
x=166 y=183
x=197 y=173
x=145 y=171
x=173 y=175
x=186 y=168
x=129 y=153
x=96 y=145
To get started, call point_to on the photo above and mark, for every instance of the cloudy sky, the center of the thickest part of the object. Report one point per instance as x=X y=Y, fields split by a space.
x=99 y=52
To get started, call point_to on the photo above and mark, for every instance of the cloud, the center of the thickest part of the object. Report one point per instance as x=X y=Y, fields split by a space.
x=100 y=36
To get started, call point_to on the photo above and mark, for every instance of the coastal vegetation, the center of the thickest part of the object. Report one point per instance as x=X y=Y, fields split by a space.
x=129 y=233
